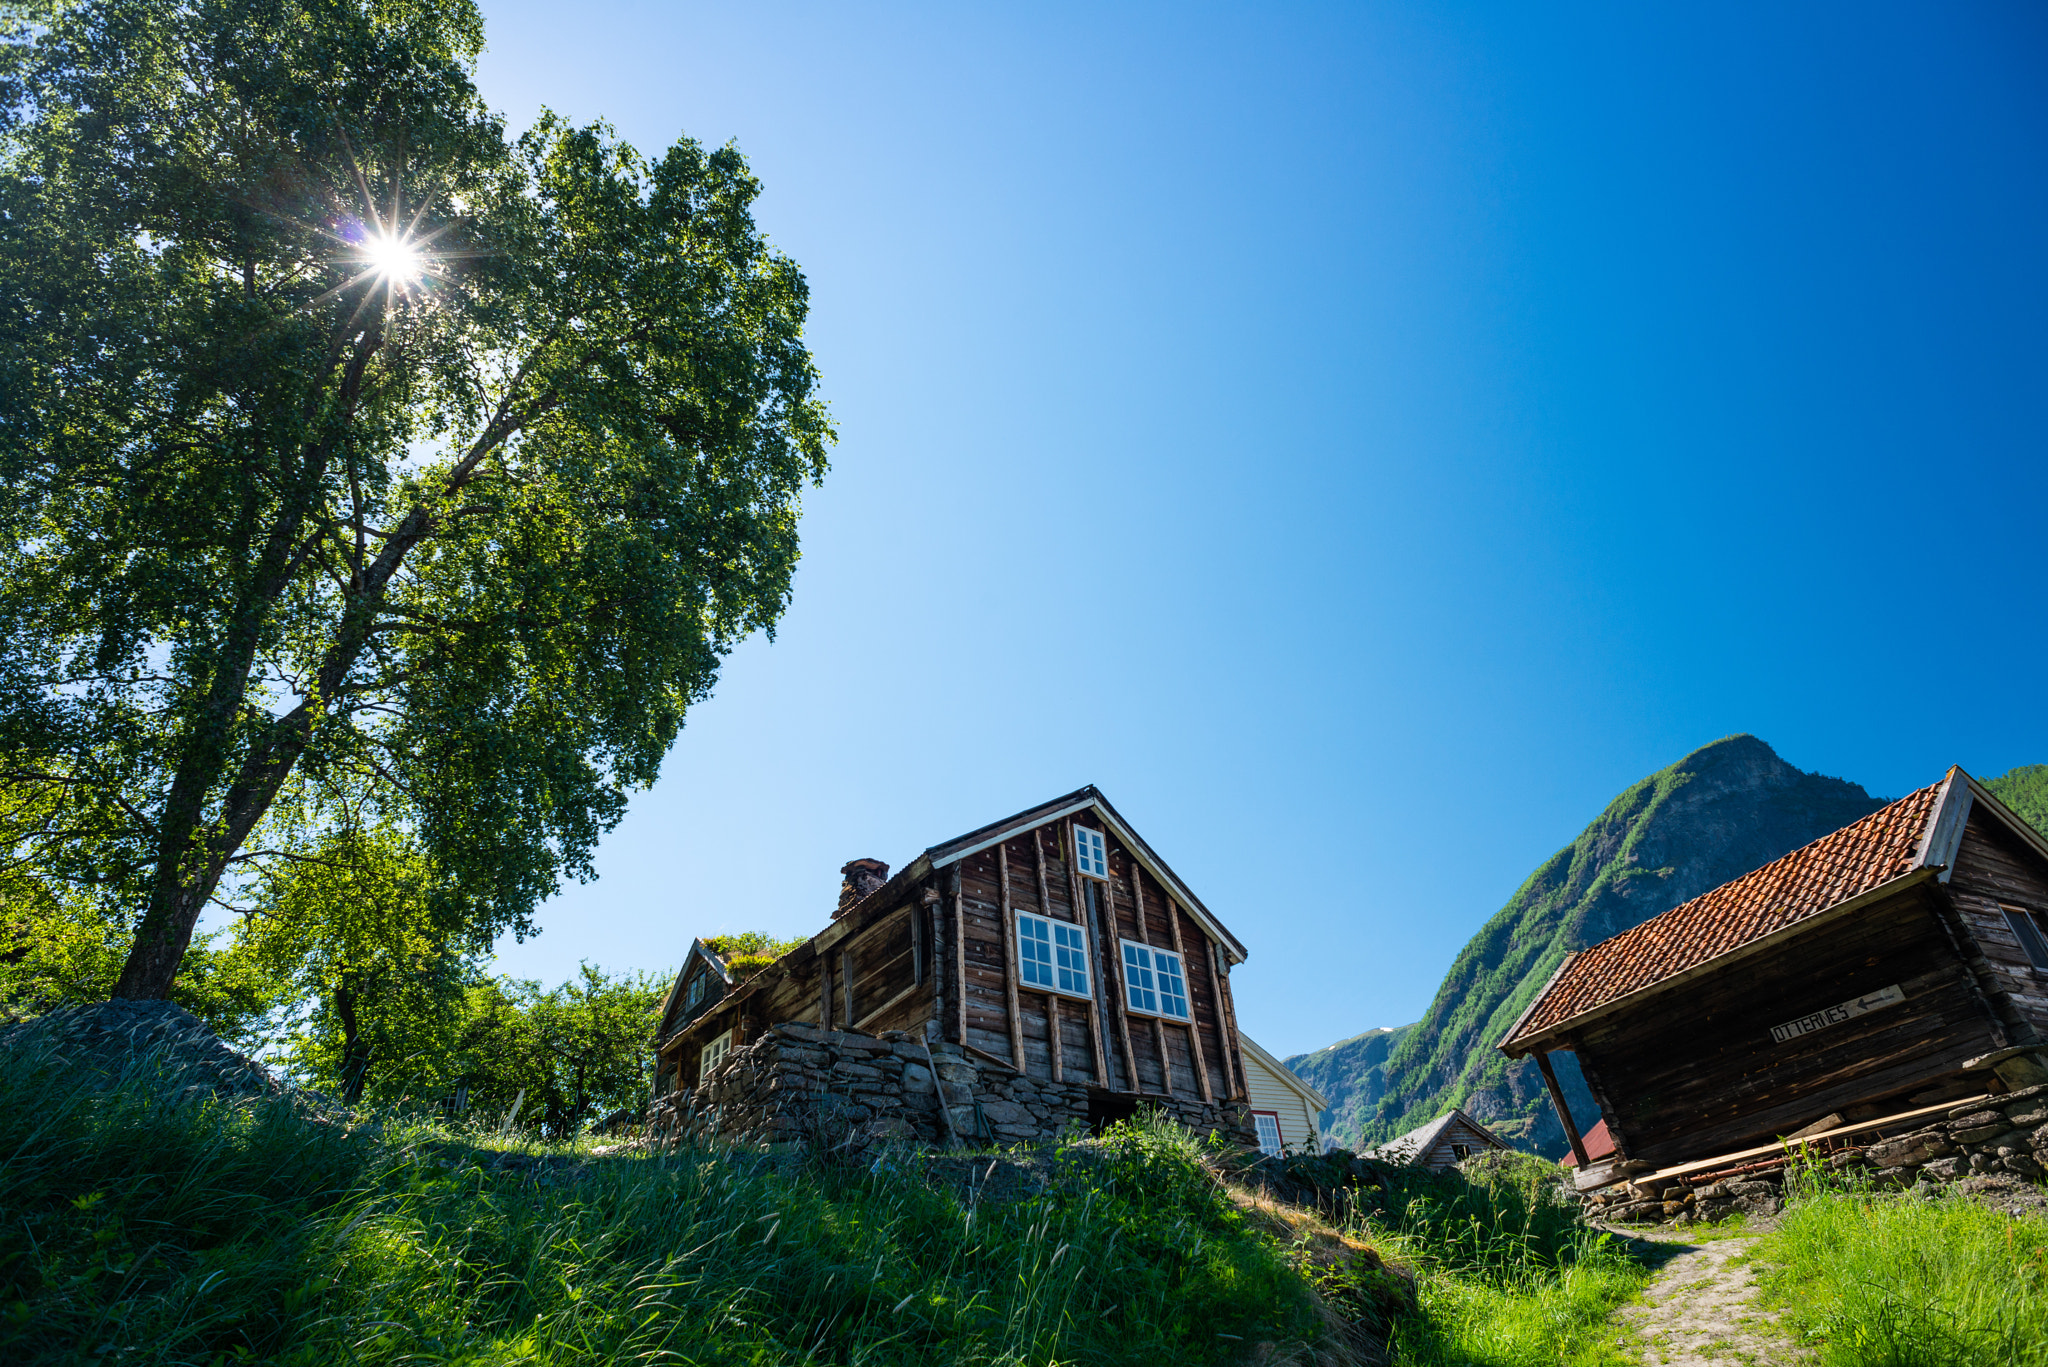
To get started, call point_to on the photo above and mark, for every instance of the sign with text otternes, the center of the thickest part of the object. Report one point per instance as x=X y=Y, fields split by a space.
x=1835 y=1015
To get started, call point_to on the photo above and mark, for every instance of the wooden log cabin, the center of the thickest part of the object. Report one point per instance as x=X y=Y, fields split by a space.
x=1895 y=964
x=1055 y=944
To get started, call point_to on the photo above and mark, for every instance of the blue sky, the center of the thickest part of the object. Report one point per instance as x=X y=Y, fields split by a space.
x=1361 y=439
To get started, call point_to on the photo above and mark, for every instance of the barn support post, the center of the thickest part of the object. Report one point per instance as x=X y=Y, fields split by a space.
x=1564 y=1112
x=824 y=992
x=1010 y=967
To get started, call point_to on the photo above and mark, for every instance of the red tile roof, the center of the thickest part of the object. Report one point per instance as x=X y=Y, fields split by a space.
x=1804 y=883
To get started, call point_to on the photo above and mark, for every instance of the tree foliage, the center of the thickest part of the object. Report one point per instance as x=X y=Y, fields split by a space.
x=354 y=928
x=564 y=1055
x=357 y=458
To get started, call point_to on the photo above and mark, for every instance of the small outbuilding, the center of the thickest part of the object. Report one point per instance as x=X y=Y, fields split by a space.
x=1877 y=975
x=1443 y=1143
x=1286 y=1111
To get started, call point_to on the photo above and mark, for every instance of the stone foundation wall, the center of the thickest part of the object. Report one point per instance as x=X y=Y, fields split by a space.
x=801 y=1085
x=1996 y=1137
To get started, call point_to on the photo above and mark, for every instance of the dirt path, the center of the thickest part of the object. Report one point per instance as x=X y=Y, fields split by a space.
x=1701 y=1308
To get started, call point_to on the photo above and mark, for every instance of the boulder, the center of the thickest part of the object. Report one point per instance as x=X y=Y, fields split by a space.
x=1977 y=1134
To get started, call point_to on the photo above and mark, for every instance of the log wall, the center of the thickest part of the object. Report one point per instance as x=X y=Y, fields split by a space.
x=1695 y=1071
x=1992 y=867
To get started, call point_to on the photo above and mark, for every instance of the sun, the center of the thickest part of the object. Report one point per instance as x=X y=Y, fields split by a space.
x=396 y=259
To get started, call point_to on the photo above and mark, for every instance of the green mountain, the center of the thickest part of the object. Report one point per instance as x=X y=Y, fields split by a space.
x=1723 y=810
x=2025 y=790
x=1352 y=1076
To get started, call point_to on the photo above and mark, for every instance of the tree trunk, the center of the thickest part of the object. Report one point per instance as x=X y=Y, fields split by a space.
x=355 y=1051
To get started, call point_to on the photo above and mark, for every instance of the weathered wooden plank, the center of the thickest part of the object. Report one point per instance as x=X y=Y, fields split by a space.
x=1055 y=1045
x=1201 y=1065
x=960 y=955
x=1010 y=967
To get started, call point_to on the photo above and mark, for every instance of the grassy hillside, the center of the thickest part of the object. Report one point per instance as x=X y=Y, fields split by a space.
x=151 y=1223
x=1721 y=811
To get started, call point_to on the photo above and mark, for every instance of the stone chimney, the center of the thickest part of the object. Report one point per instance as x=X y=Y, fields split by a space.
x=859 y=877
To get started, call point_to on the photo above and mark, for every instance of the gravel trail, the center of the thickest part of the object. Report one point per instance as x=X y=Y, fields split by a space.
x=1702 y=1309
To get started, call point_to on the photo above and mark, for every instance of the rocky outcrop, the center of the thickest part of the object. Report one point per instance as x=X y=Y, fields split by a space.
x=112 y=1038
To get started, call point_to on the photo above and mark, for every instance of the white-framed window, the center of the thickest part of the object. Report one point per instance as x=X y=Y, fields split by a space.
x=1268 y=1125
x=713 y=1055
x=2033 y=937
x=1090 y=854
x=1052 y=954
x=1154 y=982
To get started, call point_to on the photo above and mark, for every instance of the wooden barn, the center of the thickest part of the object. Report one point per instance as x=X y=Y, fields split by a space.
x=1892 y=966
x=1443 y=1143
x=1055 y=944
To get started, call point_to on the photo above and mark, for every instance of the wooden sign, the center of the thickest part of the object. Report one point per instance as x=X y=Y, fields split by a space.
x=1835 y=1015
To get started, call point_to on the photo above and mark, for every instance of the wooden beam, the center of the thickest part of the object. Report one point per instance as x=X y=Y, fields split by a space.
x=1591 y=1074
x=824 y=993
x=1233 y=1055
x=862 y=1022
x=1564 y=1112
x=1082 y=919
x=960 y=947
x=1010 y=965
x=1188 y=981
x=1038 y=858
x=846 y=983
x=1052 y=1029
x=1124 y=1004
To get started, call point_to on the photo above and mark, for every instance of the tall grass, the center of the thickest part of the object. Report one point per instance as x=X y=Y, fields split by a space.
x=1876 y=1280
x=1508 y=1274
x=140 y=1229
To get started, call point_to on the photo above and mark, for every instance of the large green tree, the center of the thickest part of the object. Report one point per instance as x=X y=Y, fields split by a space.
x=355 y=455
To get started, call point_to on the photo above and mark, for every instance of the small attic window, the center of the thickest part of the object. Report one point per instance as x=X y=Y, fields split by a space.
x=694 y=993
x=2028 y=929
x=1461 y=1152
x=1089 y=853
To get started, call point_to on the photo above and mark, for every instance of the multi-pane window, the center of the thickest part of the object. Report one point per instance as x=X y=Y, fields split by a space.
x=1268 y=1125
x=714 y=1054
x=1154 y=981
x=2033 y=936
x=695 y=992
x=1052 y=954
x=1090 y=855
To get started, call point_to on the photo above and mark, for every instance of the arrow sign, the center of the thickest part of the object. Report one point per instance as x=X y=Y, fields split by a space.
x=1835 y=1015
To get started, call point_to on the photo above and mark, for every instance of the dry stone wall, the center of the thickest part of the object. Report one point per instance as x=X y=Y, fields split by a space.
x=841 y=1089
x=2001 y=1139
